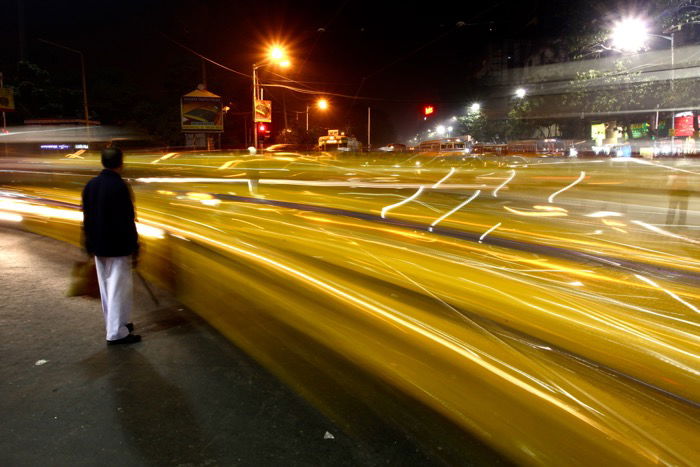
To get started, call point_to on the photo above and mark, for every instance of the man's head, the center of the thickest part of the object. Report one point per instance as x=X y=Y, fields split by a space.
x=112 y=158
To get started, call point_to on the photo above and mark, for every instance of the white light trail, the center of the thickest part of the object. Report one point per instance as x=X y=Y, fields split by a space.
x=8 y=216
x=604 y=214
x=661 y=231
x=286 y=181
x=495 y=192
x=575 y=182
x=410 y=198
x=439 y=219
x=489 y=231
x=452 y=170
x=668 y=292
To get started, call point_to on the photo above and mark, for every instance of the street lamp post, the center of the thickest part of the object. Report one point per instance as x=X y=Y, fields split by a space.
x=82 y=70
x=322 y=104
x=276 y=56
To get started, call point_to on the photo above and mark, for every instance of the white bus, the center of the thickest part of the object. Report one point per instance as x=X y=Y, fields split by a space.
x=461 y=144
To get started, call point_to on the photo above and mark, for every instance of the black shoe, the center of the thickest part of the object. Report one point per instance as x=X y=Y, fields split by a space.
x=129 y=339
x=130 y=327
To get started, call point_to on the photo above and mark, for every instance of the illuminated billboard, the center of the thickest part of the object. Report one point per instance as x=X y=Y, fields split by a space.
x=683 y=124
x=263 y=111
x=201 y=110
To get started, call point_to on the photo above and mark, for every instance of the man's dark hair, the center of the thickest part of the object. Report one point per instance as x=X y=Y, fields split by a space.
x=112 y=158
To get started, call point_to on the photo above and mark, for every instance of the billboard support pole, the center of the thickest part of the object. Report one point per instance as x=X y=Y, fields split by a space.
x=255 y=97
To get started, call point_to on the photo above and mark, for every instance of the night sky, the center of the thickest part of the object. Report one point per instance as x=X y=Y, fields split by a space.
x=394 y=56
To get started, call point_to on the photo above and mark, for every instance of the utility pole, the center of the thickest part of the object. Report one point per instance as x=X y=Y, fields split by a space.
x=369 y=128
x=82 y=71
x=255 y=98
x=4 y=121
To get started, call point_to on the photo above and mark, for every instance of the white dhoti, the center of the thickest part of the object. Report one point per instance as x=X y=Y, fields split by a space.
x=116 y=291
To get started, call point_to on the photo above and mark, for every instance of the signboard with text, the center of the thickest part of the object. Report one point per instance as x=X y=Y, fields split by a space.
x=7 y=100
x=263 y=111
x=201 y=110
x=684 y=124
x=640 y=130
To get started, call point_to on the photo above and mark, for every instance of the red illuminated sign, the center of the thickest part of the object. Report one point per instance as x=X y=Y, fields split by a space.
x=684 y=124
x=428 y=110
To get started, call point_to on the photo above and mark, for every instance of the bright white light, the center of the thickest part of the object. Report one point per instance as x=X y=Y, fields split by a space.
x=454 y=118
x=475 y=107
x=449 y=129
x=9 y=216
x=440 y=129
x=520 y=92
x=629 y=35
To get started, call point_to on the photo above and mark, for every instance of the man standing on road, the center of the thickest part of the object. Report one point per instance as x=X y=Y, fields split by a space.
x=109 y=226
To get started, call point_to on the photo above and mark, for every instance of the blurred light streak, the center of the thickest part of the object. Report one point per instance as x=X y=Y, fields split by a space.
x=226 y=165
x=452 y=170
x=550 y=208
x=11 y=217
x=577 y=181
x=76 y=154
x=149 y=231
x=603 y=214
x=668 y=292
x=489 y=231
x=169 y=155
x=535 y=213
x=614 y=223
x=400 y=203
x=661 y=231
x=460 y=206
x=284 y=181
x=617 y=325
x=495 y=192
x=395 y=317
x=43 y=211
x=656 y=164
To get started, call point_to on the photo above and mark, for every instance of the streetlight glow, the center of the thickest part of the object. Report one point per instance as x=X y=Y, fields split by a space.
x=440 y=129
x=475 y=107
x=322 y=104
x=277 y=53
x=629 y=35
x=520 y=93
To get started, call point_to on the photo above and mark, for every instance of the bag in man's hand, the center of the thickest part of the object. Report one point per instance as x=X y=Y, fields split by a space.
x=84 y=280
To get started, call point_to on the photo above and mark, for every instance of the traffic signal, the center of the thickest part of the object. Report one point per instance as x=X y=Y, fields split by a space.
x=264 y=130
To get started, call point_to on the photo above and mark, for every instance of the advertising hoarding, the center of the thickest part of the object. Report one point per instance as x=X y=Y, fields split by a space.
x=7 y=100
x=263 y=111
x=201 y=110
x=684 y=124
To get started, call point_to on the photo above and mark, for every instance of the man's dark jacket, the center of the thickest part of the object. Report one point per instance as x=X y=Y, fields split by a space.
x=108 y=216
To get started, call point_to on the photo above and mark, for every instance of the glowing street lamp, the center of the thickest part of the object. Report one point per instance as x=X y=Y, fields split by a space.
x=475 y=107
x=520 y=93
x=632 y=34
x=276 y=55
x=629 y=35
x=321 y=104
x=440 y=129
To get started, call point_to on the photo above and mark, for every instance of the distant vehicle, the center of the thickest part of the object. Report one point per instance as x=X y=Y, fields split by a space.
x=289 y=147
x=461 y=144
x=541 y=146
x=336 y=141
x=393 y=147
